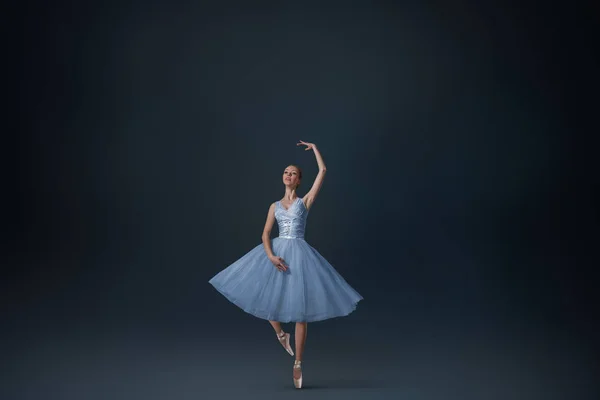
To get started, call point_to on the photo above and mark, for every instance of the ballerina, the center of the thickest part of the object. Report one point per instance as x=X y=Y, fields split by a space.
x=286 y=279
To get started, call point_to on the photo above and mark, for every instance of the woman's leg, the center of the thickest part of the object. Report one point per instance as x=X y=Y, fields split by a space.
x=276 y=325
x=301 y=330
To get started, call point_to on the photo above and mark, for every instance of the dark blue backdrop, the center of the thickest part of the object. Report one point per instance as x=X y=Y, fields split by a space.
x=152 y=137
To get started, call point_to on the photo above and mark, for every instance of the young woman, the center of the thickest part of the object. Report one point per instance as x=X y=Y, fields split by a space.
x=287 y=280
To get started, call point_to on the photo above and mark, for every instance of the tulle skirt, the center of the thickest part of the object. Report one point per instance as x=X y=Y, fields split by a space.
x=310 y=290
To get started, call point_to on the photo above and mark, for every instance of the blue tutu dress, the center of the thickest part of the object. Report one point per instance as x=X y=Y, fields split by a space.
x=309 y=290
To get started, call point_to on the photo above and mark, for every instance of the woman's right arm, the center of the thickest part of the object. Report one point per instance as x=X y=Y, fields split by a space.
x=266 y=236
x=278 y=262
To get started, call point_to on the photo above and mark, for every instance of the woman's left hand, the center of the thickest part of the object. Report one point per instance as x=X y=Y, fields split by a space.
x=309 y=146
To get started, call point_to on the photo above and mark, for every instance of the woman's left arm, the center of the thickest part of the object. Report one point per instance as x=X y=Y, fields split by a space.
x=309 y=198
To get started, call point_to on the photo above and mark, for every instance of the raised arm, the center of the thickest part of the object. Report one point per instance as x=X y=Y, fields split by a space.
x=309 y=198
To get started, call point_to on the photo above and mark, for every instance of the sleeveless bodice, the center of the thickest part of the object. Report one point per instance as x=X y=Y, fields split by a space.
x=292 y=222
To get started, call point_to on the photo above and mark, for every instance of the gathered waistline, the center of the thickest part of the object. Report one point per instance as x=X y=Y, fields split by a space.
x=291 y=237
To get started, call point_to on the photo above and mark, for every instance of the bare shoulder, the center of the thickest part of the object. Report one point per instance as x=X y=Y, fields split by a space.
x=307 y=200
x=271 y=211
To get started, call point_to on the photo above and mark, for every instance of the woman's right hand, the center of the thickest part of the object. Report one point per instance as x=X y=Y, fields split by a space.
x=279 y=263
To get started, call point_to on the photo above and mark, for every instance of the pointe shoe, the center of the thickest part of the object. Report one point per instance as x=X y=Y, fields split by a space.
x=284 y=339
x=298 y=382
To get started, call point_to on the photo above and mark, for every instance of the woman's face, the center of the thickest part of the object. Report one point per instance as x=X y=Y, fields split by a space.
x=291 y=177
